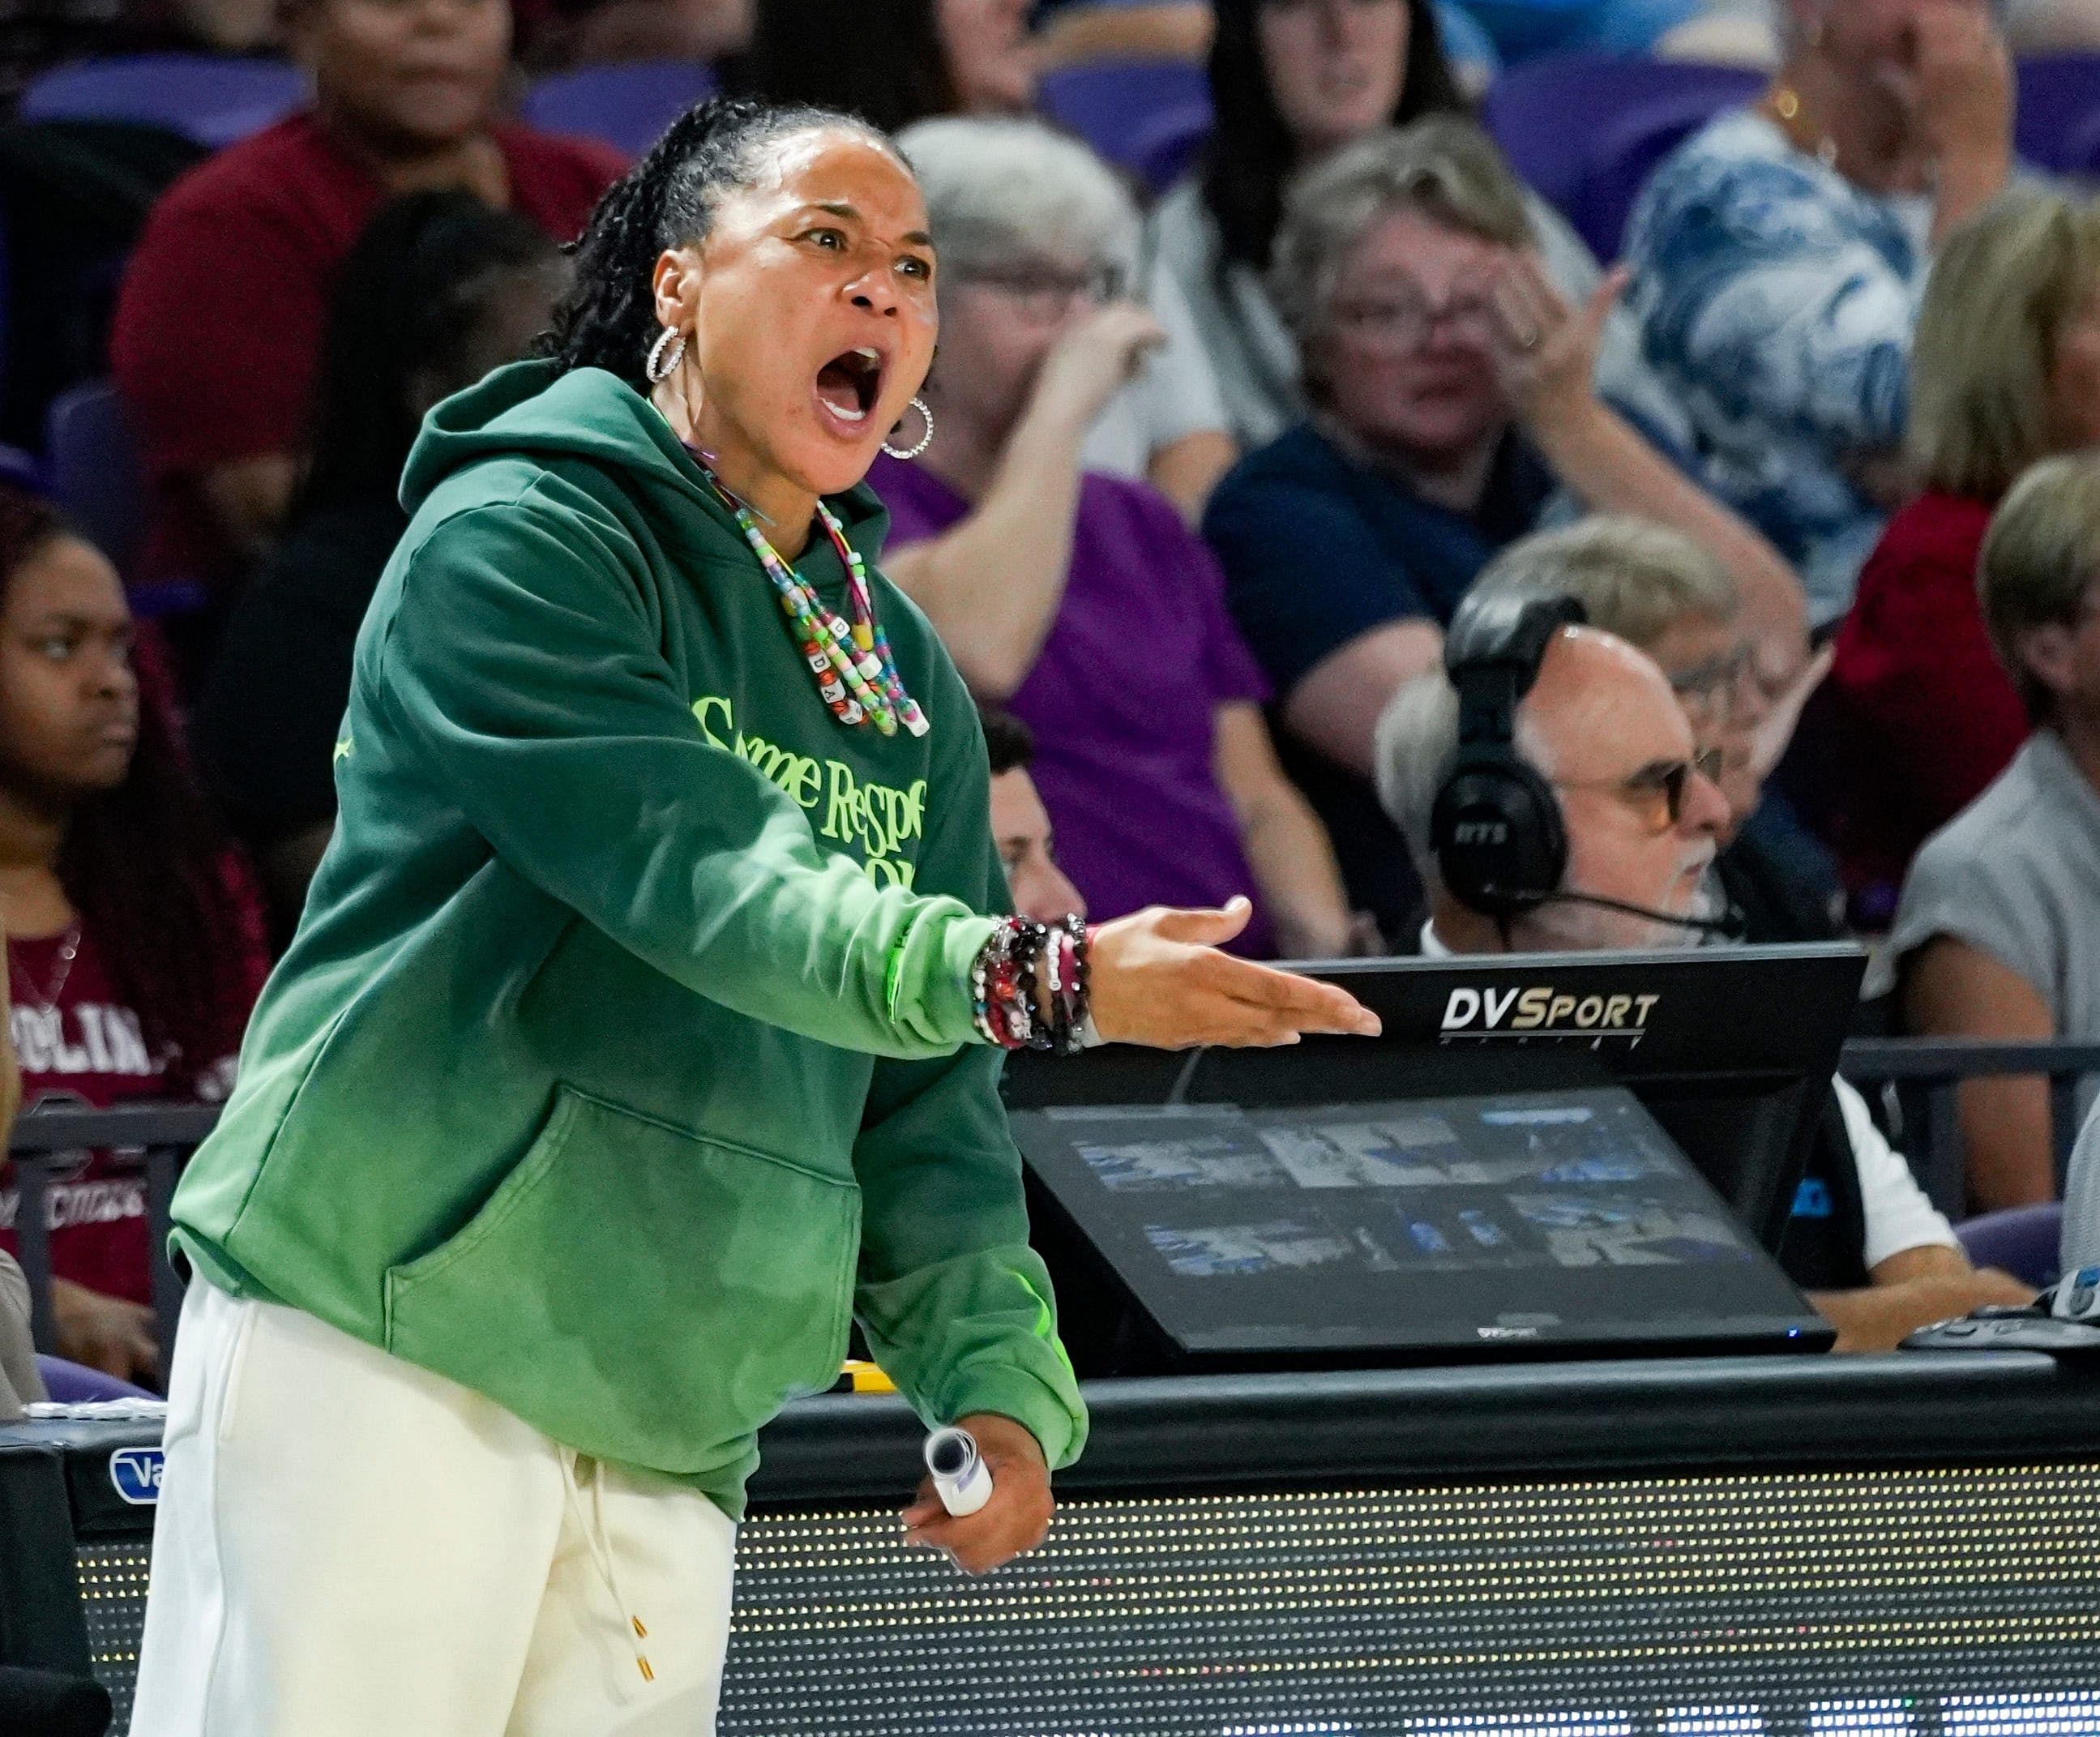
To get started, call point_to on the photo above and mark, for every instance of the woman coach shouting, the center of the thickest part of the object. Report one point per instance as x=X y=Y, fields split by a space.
x=644 y=1020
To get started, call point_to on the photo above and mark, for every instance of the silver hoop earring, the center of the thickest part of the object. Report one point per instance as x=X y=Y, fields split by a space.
x=659 y=366
x=925 y=440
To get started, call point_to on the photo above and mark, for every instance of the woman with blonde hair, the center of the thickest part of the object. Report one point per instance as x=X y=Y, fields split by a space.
x=2006 y=371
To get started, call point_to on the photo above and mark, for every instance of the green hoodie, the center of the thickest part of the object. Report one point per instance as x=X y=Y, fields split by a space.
x=626 y=1042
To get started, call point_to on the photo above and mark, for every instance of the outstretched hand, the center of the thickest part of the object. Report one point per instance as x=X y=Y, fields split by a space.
x=1157 y=979
x=1010 y=1524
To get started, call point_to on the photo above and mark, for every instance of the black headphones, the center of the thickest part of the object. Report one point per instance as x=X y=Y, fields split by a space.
x=1501 y=846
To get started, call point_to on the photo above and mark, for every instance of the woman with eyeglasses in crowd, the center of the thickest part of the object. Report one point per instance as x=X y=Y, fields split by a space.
x=1079 y=600
x=1293 y=81
x=1452 y=402
x=899 y=62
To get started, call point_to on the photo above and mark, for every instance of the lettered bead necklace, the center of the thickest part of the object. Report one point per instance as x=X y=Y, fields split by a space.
x=855 y=671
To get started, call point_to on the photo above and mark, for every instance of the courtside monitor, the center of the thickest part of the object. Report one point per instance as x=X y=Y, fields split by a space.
x=1557 y=1222
x=1729 y=1050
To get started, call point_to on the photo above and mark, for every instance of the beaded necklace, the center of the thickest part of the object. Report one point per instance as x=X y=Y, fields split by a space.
x=856 y=673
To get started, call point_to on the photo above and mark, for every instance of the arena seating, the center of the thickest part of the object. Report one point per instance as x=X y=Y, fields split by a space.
x=627 y=104
x=205 y=96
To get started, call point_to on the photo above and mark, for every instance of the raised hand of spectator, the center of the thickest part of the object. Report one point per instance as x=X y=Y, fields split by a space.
x=1965 y=108
x=1965 y=80
x=1092 y=361
x=1549 y=361
x=112 y=1334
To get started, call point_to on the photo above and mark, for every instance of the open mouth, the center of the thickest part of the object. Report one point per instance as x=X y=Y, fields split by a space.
x=848 y=385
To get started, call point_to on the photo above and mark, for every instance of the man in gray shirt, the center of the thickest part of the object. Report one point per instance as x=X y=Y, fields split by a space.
x=1998 y=932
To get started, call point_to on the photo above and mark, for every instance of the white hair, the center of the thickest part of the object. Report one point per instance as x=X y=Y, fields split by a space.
x=1000 y=189
x=1413 y=751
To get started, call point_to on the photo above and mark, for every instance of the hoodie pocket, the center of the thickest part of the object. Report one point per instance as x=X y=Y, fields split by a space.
x=638 y=1292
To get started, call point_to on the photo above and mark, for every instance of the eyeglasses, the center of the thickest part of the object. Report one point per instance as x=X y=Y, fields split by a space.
x=1043 y=292
x=1657 y=789
x=1404 y=320
x=1711 y=689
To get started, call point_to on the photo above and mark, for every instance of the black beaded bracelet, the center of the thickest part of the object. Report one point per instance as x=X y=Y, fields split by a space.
x=1029 y=985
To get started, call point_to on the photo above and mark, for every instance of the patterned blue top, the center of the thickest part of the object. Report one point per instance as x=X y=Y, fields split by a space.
x=1778 y=299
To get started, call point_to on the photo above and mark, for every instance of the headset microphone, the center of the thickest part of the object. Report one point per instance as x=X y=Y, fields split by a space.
x=1730 y=925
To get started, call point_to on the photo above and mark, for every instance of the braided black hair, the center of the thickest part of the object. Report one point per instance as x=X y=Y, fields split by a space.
x=608 y=318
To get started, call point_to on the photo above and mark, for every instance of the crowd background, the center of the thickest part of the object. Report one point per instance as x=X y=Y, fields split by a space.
x=1263 y=337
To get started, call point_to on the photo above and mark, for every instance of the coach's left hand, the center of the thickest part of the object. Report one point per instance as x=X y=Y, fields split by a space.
x=1012 y=1523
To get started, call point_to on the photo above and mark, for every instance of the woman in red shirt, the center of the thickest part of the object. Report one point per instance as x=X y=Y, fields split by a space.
x=133 y=950
x=218 y=331
x=2005 y=370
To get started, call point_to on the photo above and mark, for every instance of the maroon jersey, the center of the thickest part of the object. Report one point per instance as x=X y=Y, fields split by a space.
x=84 y=1048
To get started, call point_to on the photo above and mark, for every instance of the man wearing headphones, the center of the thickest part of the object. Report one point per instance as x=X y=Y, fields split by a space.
x=1547 y=784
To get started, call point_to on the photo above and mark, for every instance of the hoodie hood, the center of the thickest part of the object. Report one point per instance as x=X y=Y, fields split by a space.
x=537 y=411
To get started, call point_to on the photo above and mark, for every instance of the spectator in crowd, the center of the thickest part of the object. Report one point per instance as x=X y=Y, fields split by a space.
x=1451 y=392
x=899 y=62
x=1780 y=252
x=218 y=331
x=1081 y=599
x=1664 y=595
x=894 y=62
x=1293 y=81
x=1021 y=825
x=439 y=289
x=1602 y=726
x=2006 y=371
x=133 y=943
x=1998 y=934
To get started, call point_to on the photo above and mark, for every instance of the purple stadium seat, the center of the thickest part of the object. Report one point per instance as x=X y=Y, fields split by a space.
x=1586 y=130
x=2058 y=122
x=2023 y=1241
x=94 y=468
x=1166 y=147
x=628 y=103
x=1117 y=106
x=76 y=1384
x=210 y=98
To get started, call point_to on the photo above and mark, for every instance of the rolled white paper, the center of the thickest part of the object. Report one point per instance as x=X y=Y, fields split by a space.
x=960 y=1476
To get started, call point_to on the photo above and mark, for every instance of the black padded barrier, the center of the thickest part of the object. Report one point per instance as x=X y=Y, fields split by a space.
x=1713 y=1548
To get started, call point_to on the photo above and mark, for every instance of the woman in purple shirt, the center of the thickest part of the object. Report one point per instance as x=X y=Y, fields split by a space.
x=1082 y=601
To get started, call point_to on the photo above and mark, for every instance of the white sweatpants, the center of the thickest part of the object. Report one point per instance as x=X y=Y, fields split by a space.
x=348 y=1545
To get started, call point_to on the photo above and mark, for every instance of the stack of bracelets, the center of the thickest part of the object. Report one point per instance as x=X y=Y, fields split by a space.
x=1029 y=985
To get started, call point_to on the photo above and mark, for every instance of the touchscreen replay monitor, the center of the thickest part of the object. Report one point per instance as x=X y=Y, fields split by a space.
x=1555 y=1219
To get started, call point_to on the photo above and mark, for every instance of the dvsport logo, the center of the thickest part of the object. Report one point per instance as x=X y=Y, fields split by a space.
x=1539 y=1010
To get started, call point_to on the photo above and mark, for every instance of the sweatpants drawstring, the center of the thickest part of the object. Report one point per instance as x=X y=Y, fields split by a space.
x=593 y=1522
